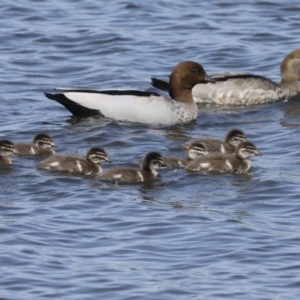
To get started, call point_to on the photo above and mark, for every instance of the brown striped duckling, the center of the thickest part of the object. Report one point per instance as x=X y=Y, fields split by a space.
x=7 y=148
x=89 y=165
x=41 y=145
x=151 y=163
x=195 y=150
x=215 y=146
x=226 y=163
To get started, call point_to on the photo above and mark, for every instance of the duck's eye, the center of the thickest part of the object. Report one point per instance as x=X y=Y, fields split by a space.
x=195 y=71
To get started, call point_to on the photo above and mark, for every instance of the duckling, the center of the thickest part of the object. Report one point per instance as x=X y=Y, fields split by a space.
x=90 y=165
x=235 y=88
x=213 y=146
x=41 y=145
x=152 y=162
x=140 y=106
x=7 y=148
x=226 y=163
x=195 y=150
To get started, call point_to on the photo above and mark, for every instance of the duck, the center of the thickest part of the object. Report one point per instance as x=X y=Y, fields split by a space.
x=41 y=145
x=215 y=146
x=194 y=150
x=226 y=163
x=140 y=106
x=245 y=89
x=89 y=165
x=151 y=163
x=7 y=148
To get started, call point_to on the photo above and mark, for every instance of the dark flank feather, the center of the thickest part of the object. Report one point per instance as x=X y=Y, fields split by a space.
x=160 y=84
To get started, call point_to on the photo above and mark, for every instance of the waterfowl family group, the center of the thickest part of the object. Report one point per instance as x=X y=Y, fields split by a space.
x=187 y=85
x=202 y=155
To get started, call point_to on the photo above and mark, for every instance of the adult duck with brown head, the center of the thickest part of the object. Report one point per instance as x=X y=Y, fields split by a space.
x=141 y=106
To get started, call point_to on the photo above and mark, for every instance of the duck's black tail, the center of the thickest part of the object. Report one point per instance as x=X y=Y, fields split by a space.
x=75 y=108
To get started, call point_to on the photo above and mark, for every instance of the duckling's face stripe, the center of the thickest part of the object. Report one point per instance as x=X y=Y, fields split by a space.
x=196 y=152
x=99 y=157
x=247 y=152
x=157 y=164
x=45 y=143
x=7 y=149
x=235 y=140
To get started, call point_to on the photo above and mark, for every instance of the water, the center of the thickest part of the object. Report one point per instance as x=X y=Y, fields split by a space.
x=184 y=236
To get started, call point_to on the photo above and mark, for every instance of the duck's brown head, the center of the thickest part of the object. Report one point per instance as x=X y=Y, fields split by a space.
x=290 y=67
x=184 y=77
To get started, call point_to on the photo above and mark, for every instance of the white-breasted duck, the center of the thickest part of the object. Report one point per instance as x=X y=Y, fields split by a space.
x=226 y=163
x=42 y=145
x=89 y=165
x=7 y=149
x=140 y=106
x=236 y=88
x=151 y=163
